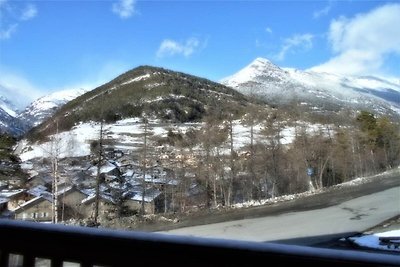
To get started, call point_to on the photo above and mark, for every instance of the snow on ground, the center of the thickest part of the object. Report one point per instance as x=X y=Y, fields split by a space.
x=128 y=135
x=139 y=78
x=8 y=110
x=372 y=241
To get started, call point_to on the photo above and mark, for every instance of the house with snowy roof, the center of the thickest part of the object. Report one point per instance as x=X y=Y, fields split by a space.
x=70 y=199
x=38 y=190
x=106 y=205
x=110 y=168
x=40 y=179
x=15 y=197
x=152 y=200
x=37 y=209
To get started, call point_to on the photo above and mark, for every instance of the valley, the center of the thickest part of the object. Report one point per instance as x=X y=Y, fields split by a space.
x=154 y=142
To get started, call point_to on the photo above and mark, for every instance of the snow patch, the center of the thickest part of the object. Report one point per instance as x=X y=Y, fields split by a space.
x=139 y=78
x=373 y=241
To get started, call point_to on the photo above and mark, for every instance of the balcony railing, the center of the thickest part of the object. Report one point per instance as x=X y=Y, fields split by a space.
x=37 y=242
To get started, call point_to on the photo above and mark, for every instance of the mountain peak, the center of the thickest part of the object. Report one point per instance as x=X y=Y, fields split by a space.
x=261 y=60
x=7 y=106
x=263 y=64
x=319 y=90
x=45 y=106
x=259 y=67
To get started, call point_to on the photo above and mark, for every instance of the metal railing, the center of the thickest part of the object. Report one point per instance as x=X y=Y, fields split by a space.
x=35 y=242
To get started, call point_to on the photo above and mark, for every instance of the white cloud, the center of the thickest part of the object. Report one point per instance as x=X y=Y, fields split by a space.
x=21 y=92
x=124 y=8
x=29 y=12
x=323 y=12
x=294 y=43
x=268 y=30
x=170 y=47
x=6 y=34
x=17 y=89
x=11 y=17
x=362 y=43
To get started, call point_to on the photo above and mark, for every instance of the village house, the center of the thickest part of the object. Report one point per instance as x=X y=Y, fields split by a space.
x=16 y=197
x=151 y=201
x=114 y=154
x=36 y=209
x=15 y=182
x=106 y=205
x=40 y=179
x=39 y=208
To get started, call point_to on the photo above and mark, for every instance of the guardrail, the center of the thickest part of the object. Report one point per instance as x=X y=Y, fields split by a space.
x=105 y=247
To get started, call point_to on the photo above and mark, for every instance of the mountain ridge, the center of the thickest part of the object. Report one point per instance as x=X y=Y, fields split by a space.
x=45 y=106
x=9 y=122
x=262 y=78
x=279 y=85
x=165 y=94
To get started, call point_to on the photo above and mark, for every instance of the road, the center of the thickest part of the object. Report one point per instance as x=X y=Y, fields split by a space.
x=317 y=219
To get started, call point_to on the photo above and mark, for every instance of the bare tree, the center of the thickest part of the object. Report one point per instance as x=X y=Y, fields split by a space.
x=99 y=164
x=58 y=147
x=273 y=153
x=251 y=119
x=54 y=164
x=144 y=163
x=100 y=158
x=211 y=137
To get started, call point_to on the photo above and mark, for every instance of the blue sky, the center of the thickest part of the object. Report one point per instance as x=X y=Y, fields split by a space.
x=47 y=46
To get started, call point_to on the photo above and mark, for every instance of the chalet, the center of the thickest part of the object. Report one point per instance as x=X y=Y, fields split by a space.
x=108 y=168
x=85 y=179
x=112 y=153
x=15 y=197
x=36 y=209
x=106 y=205
x=151 y=200
x=40 y=179
x=70 y=199
x=15 y=182
x=38 y=191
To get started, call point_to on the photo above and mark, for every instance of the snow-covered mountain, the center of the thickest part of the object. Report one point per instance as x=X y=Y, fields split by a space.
x=7 y=107
x=44 y=107
x=323 y=91
x=9 y=123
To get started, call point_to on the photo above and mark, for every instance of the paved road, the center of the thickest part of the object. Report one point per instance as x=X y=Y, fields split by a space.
x=332 y=217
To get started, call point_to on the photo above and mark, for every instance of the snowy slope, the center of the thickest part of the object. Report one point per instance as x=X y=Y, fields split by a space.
x=127 y=135
x=45 y=106
x=282 y=85
x=7 y=107
x=9 y=123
